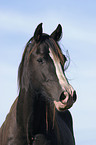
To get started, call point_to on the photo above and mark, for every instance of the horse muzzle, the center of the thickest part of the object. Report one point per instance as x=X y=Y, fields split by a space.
x=66 y=100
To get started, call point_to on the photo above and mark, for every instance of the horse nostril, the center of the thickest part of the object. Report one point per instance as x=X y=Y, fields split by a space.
x=74 y=96
x=62 y=96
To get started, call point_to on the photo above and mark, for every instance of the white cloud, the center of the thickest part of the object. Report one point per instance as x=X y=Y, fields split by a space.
x=15 y=22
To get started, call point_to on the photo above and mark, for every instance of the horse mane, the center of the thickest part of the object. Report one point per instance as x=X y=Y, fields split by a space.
x=20 y=69
x=51 y=43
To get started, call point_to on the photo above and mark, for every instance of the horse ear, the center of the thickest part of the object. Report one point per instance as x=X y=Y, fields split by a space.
x=38 y=33
x=56 y=35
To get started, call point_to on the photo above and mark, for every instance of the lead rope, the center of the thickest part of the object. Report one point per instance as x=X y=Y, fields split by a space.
x=29 y=141
x=46 y=119
x=27 y=135
x=53 y=117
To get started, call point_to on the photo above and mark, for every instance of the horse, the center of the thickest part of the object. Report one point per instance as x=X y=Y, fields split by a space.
x=40 y=115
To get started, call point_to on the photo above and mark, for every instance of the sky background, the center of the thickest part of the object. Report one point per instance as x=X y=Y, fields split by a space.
x=18 y=20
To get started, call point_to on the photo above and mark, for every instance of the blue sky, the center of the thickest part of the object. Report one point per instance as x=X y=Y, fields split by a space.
x=18 y=20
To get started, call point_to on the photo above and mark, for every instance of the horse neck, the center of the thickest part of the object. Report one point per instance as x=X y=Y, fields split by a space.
x=24 y=106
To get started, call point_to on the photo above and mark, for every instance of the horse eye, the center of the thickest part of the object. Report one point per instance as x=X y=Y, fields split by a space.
x=40 y=60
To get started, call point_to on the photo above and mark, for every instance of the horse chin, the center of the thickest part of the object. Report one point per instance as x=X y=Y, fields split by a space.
x=62 y=106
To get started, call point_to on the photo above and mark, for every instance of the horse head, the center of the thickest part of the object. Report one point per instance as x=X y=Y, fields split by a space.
x=43 y=69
